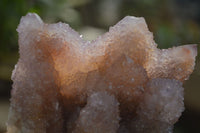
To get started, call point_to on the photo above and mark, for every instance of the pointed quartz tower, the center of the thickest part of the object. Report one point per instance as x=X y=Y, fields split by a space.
x=119 y=83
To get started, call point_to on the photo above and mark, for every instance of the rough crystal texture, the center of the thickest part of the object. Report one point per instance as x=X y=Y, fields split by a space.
x=100 y=115
x=165 y=112
x=119 y=83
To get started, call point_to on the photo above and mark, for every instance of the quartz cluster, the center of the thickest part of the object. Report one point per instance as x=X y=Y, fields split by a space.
x=119 y=83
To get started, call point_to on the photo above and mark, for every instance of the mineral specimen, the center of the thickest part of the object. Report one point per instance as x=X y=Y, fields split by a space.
x=119 y=83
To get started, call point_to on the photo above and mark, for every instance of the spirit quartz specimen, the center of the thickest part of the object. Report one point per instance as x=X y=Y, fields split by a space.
x=119 y=83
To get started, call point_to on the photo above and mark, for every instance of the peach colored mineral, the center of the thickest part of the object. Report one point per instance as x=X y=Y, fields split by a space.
x=119 y=83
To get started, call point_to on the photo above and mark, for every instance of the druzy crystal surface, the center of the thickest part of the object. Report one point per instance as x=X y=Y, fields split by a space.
x=119 y=83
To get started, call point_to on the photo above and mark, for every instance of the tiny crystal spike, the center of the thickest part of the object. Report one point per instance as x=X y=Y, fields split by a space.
x=119 y=83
